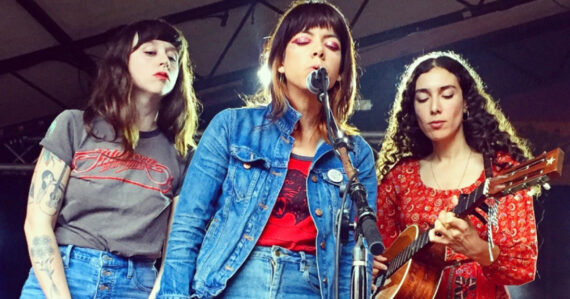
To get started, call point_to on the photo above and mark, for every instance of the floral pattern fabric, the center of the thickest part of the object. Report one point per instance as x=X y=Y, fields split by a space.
x=404 y=200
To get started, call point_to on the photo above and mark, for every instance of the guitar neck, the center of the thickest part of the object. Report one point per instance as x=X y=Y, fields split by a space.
x=405 y=255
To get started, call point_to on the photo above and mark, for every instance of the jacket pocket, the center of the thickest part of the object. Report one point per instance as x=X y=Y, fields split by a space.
x=245 y=169
x=334 y=179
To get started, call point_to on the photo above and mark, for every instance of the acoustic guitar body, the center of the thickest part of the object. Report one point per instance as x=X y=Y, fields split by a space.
x=415 y=279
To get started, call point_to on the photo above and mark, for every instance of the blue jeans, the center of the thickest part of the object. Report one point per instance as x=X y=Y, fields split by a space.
x=274 y=272
x=94 y=273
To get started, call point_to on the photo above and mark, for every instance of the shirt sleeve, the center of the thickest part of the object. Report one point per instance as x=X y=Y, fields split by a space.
x=63 y=133
x=387 y=209
x=516 y=237
x=515 y=234
x=195 y=208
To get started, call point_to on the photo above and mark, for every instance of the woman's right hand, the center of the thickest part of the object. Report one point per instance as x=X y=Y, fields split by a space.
x=378 y=266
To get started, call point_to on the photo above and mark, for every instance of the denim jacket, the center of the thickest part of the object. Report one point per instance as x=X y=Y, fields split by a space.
x=228 y=195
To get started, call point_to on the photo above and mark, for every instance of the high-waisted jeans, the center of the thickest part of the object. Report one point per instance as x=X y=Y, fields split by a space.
x=94 y=273
x=275 y=272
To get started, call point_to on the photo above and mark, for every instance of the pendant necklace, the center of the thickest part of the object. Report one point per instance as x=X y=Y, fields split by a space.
x=462 y=176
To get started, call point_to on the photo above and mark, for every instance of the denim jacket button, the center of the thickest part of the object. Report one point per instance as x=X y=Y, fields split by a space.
x=319 y=212
x=246 y=165
x=323 y=245
x=314 y=178
x=325 y=280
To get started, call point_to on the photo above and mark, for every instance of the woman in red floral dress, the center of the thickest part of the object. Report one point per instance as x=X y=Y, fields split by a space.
x=442 y=126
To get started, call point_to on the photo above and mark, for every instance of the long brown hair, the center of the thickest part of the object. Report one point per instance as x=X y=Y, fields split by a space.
x=111 y=94
x=486 y=128
x=301 y=16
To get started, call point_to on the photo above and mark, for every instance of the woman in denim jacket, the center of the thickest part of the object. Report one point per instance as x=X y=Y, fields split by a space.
x=256 y=213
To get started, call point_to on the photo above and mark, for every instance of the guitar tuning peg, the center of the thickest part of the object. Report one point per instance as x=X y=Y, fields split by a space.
x=546 y=186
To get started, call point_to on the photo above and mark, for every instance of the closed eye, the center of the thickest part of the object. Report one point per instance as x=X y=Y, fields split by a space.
x=301 y=40
x=333 y=45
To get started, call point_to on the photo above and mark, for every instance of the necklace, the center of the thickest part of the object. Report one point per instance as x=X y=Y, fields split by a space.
x=462 y=176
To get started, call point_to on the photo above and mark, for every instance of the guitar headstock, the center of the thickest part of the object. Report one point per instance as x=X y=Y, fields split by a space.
x=532 y=172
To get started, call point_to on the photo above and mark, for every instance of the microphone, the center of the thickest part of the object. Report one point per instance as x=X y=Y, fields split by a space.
x=318 y=81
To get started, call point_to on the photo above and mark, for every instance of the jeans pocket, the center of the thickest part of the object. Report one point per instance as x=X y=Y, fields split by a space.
x=311 y=276
x=144 y=277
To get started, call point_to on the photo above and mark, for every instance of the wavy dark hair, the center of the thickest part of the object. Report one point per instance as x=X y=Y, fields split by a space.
x=111 y=95
x=303 y=15
x=486 y=128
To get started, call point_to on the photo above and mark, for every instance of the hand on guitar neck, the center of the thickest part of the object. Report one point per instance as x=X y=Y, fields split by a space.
x=460 y=235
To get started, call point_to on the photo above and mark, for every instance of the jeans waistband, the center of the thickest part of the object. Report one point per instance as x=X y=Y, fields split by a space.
x=101 y=257
x=283 y=254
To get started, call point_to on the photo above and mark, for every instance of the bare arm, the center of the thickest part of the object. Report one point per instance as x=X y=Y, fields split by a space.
x=44 y=202
x=159 y=276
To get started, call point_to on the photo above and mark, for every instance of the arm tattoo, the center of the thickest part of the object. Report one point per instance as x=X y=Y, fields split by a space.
x=31 y=194
x=51 y=191
x=49 y=157
x=42 y=255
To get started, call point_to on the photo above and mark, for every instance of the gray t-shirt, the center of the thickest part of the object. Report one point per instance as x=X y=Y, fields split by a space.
x=121 y=206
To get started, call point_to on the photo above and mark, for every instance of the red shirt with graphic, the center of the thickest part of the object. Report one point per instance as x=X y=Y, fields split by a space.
x=404 y=200
x=290 y=225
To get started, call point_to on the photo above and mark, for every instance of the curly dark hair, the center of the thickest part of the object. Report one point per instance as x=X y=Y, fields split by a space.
x=486 y=128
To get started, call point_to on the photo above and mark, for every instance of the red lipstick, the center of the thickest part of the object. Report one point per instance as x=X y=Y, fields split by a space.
x=162 y=76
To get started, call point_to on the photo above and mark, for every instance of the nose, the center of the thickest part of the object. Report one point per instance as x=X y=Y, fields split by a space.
x=318 y=51
x=435 y=106
x=164 y=61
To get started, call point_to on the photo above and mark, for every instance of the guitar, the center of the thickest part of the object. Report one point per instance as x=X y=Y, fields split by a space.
x=409 y=275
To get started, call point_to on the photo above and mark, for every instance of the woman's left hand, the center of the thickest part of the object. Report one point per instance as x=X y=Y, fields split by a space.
x=456 y=233
x=460 y=235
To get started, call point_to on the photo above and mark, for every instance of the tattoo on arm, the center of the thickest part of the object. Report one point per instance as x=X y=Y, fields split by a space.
x=46 y=190
x=49 y=157
x=51 y=192
x=31 y=194
x=43 y=255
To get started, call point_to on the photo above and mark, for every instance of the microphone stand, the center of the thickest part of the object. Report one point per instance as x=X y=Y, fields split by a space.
x=365 y=226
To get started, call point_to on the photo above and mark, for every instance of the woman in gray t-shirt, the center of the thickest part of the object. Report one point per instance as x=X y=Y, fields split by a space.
x=106 y=179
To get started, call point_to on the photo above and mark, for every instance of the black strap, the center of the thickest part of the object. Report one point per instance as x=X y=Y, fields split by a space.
x=488 y=174
x=488 y=169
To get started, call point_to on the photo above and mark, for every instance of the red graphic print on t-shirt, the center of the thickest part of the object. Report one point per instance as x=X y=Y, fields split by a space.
x=290 y=225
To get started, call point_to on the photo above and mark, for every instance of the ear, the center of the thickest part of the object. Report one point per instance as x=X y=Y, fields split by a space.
x=281 y=69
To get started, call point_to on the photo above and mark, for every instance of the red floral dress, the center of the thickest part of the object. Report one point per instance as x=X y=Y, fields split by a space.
x=404 y=200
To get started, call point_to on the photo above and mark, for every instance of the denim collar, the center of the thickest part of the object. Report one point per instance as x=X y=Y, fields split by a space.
x=286 y=123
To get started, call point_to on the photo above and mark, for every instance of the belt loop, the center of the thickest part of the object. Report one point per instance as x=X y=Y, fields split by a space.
x=68 y=249
x=131 y=268
x=303 y=263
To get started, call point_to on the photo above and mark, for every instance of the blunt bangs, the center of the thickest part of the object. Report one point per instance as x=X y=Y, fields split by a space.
x=150 y=30
x=306 y=16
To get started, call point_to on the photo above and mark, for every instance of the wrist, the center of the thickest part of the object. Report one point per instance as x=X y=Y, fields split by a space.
x=483 y=255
